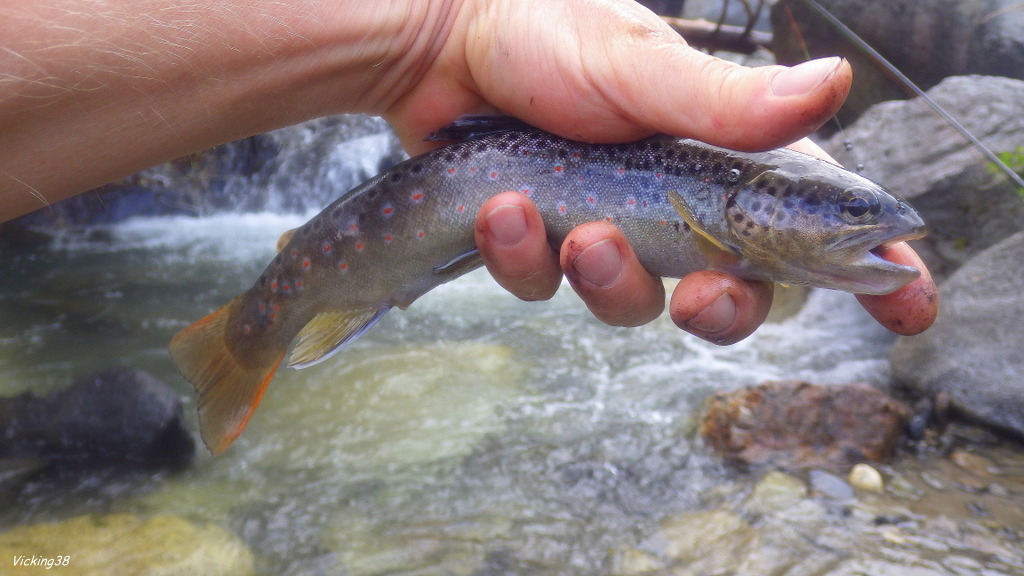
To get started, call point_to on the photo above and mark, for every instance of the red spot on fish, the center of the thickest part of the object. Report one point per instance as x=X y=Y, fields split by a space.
x=559 y=168
x=460 y=208
x=306 y=263
x=451 y=170
x=388 y=238
x=420 y=233
x=663 y=223
x=247 y=330
x=562 y=208
x=526 y=192
x=353 y=227
x=298 y=285
x=387 y=210
x=274 y=285
x=360 y=246
x=286 y=288
x=608 y=218
x=294 y=252
x=342 y=265
x=631 y=202
x=493 y=175
x=591 y=200
x=707 y=180
x=262 y=306
x=472 y=169
x=620 y=171
x=576 y=154
x=326 y=247
x=416 y=196
x=659 y=175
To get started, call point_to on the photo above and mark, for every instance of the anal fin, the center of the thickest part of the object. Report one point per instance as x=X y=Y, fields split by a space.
x=328 y=331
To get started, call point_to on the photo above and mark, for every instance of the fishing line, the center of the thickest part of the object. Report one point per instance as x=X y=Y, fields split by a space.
x=847 y=144
x=864 y=47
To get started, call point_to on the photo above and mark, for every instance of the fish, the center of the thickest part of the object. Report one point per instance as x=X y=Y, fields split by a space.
x=684 y=205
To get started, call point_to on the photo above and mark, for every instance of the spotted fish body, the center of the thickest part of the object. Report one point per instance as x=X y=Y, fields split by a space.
x=683 y=205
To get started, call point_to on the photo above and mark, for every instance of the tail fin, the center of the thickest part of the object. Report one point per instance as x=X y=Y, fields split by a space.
x=229 y=391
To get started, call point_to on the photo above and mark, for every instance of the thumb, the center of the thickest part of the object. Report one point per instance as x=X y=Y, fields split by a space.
x=681 y=91
x=625 y=74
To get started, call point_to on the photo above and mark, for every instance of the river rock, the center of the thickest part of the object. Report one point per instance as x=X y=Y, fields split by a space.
x=116 y=415
x=907 y=148
x=974 y=354
x=126 y=545
x=927 y=40
x=797 y=424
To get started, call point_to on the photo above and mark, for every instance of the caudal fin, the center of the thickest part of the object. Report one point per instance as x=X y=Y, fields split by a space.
x=229 y=391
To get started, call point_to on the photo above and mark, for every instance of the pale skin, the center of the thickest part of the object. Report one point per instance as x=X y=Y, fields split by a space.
x=93 y=91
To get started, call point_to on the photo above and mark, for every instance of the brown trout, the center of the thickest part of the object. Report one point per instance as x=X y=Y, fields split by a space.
x=684 y=205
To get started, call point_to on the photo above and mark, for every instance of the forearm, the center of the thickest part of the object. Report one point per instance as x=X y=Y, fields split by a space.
x=92 y=91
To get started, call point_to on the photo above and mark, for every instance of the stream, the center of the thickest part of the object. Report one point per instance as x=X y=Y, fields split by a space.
x=477 y=434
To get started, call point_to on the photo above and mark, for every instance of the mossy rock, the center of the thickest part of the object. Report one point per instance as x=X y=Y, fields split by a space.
x=128 y=545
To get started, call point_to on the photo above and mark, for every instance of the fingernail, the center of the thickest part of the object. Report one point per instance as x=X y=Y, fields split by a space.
x=600 y=264
x=507 y=224
x=717 y=317
x=805 y=77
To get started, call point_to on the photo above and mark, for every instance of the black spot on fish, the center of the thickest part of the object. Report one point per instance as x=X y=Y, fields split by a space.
x=756 y=206
x=737 y=217
x=416 y=168
x=395 y=177
x=771 y=190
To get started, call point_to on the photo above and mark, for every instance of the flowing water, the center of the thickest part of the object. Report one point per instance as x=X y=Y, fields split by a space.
x=470 y=434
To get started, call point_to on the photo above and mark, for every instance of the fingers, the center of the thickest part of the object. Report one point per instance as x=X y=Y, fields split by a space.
x=911 y=309
x=595 y=257
x=514 y=246
x=603 y=269
x=718 y=307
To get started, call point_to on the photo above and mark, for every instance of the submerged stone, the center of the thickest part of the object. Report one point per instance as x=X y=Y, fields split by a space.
x=797 y=424
x=115 y=415
x=127 y=545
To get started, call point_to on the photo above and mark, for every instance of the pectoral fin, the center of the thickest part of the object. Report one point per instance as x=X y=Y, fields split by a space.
x=720 y=255
x=707 y=241
x=328 y=331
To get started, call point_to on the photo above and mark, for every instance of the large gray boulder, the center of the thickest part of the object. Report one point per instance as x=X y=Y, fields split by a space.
x=908 y=148
x=975 y=351
x=928 y=40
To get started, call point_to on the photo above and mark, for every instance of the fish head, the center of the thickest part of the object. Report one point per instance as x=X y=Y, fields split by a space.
x=817 y=224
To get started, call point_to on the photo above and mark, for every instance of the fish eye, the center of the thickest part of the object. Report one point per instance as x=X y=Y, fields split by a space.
x=859 y=205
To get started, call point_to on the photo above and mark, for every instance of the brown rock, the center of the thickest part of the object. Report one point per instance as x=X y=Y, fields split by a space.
x=797 y=424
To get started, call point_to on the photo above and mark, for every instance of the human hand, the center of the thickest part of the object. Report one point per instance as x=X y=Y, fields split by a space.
x=614 y=72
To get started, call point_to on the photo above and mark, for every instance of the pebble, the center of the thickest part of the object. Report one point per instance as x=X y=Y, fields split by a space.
x=828 y=485
x=864 y=477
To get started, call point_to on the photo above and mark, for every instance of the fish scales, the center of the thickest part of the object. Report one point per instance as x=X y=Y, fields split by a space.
x=683 y=205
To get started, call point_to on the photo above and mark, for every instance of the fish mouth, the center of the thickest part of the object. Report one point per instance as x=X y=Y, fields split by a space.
x=877 y=275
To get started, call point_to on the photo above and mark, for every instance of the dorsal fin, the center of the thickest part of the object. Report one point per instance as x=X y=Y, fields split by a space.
x=475 y=126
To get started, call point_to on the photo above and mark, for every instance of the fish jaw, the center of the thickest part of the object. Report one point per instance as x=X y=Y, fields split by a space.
x=861 y=269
